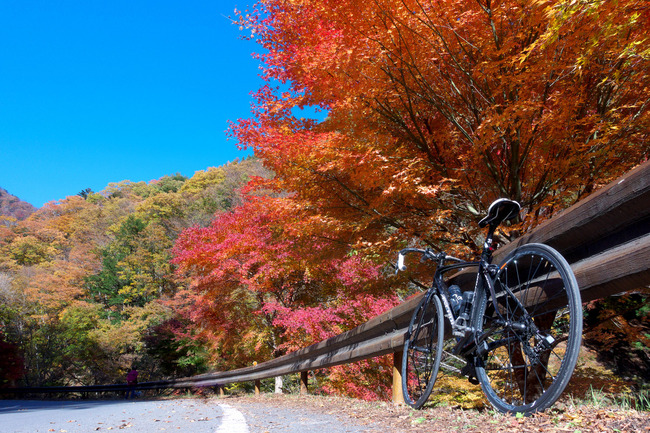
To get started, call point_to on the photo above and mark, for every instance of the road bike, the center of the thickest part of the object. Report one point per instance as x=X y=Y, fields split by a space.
x=517 y=332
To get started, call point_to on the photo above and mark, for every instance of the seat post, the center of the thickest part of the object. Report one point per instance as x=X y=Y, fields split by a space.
x=486 y=255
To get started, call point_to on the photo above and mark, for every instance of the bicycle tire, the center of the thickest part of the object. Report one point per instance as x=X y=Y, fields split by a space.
x=422 y=351
x=526 y=363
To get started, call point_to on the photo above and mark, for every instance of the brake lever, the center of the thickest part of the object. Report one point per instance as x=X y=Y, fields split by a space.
x=400 y=263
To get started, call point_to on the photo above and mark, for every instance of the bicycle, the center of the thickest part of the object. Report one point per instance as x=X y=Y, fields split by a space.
x=517 y=333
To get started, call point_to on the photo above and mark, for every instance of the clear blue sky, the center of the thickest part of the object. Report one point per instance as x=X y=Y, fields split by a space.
x=93 y=92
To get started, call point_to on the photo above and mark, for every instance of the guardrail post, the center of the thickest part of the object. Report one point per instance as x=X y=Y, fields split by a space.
x=278 y=384
x=258 y=385
x=398 y=397
x=304 y=379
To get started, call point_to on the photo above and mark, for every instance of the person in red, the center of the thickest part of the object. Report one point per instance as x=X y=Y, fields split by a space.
x=131 y=381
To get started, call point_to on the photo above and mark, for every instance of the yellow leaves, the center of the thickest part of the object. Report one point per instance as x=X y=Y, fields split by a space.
x=457 y=391
x=116 y=339
x=162 y=206
x=29 y=250
x=202 y=179
x=131 y=292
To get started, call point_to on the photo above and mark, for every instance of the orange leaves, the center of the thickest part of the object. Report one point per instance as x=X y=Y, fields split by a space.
x=434 y=108
x=447 y=105
x=55 y=285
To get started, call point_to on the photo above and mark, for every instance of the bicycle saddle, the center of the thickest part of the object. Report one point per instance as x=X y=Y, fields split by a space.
x=500 y=210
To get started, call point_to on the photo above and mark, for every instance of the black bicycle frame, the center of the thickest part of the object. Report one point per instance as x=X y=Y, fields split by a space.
x=470 y=341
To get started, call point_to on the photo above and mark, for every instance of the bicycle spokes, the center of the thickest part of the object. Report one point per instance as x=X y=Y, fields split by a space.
x=522 y=340
x=422 y=352
x=531 y=331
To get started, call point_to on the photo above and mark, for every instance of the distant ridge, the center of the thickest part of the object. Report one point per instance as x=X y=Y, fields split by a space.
x=12 y=206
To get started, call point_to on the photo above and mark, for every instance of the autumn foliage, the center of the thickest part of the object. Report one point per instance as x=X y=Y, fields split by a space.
x=381 y=124
x=435 y=108
x=262 y=286
x=426 y=111
x=85 y=282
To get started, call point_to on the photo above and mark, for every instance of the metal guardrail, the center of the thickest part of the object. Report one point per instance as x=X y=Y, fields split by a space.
x=605 y=238
x=118 y=388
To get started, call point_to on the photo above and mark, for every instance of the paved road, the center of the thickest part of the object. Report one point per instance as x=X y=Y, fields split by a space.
x=267 y=417
x=182 y=415
x=140 y=416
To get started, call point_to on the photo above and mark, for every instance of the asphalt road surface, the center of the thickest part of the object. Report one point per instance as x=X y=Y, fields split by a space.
x=149 y=416
x=140 y=416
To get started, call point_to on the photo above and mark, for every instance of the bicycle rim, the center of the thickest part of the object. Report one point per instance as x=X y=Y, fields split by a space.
x=422 y=351
x=533 y=339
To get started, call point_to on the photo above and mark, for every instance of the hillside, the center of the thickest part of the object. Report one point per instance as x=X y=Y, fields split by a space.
x=12 y=206
x=87 y=286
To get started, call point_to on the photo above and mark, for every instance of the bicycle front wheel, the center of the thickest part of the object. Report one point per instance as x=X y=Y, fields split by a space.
x=422 y=351
x=531 y=340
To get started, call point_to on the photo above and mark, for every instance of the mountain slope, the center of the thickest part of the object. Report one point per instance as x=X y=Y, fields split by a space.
x=12 y=206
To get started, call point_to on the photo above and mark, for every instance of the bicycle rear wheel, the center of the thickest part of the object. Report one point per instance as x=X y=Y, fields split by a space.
x=532 y=339
x=422 y=351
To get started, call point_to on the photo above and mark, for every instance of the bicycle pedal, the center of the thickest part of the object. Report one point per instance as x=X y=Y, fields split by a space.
x=470 y=373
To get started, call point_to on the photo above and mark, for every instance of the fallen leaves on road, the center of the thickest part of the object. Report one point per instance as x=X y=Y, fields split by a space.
x=382 y=417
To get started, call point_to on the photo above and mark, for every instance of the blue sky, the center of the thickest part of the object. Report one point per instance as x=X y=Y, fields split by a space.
x=93 y=92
